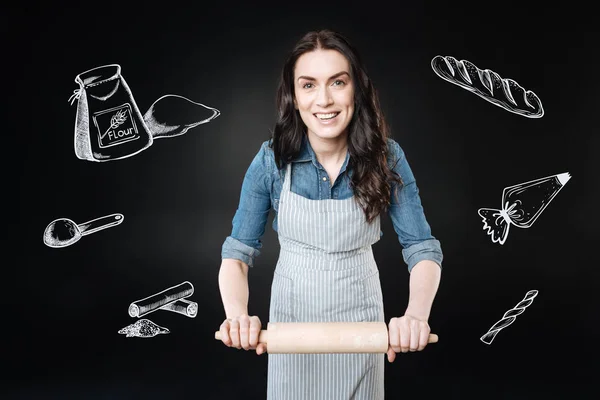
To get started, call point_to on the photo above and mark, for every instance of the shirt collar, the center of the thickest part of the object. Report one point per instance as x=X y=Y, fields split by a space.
x=308 y=154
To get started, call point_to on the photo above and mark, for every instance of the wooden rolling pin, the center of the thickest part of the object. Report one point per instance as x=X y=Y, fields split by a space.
x=326 y=337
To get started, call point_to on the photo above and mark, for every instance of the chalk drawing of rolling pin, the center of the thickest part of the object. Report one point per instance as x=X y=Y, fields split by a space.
x=63 y=232
x=183 y=307
x=171 y=299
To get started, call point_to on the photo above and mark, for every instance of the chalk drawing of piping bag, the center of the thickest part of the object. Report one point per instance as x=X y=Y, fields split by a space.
x=522 y=204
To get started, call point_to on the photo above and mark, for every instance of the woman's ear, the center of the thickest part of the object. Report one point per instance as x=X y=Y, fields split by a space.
x=295 y=103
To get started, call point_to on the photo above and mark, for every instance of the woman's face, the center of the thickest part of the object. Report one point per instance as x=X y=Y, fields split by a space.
x=324 y=92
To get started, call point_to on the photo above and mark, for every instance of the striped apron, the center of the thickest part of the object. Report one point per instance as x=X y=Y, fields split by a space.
x=326 y=272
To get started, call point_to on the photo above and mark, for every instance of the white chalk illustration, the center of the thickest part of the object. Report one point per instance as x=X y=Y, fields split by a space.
x=109 y=125
x=183 y=307
x=509 y=317
x=143 y=328
x=171 y=299
x=157 y=301
x=485 y=83
x=522 y=204
x=174 y=115
x=64 y=232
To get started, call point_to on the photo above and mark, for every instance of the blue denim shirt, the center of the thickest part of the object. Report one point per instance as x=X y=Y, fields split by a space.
x=262 y=186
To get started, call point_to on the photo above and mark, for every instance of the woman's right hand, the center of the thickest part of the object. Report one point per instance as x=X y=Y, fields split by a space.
x=242 y=333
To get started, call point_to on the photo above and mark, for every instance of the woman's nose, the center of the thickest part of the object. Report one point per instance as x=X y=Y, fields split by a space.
x=324 y=98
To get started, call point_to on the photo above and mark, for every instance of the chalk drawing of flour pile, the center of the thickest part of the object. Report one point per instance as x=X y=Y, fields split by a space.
x=171 y=299
x=109 y=125
x=143 y=328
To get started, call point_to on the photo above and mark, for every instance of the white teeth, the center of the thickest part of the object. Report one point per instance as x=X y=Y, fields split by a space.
x=326 y=116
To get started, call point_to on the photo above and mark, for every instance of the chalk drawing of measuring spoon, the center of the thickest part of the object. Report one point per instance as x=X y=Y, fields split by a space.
x=63 y=232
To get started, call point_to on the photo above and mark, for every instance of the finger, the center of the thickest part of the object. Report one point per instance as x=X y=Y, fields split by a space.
x=424 y=338
x=414 y=335
x=234 y=333
x=224 y=329
x=255 y=327
x=391 y=354
x=261 y=348
x=404 y=335
x=394 y=335
x=244 y=332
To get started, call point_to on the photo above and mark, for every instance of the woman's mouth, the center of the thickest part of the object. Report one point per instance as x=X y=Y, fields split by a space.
x=326 y=117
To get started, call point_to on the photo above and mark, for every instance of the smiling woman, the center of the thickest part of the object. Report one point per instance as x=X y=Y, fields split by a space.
x=329 y=172
x=323 y=97
x=325 y=101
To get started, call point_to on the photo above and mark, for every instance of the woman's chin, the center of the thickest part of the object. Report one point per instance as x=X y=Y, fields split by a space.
x=327 y=133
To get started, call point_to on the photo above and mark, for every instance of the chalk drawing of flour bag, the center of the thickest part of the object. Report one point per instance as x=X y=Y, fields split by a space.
x=108 y=124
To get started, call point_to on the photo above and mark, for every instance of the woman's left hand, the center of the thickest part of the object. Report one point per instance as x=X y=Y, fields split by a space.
x=407 y=334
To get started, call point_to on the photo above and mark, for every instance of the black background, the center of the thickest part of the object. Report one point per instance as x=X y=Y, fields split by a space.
x=63 y=307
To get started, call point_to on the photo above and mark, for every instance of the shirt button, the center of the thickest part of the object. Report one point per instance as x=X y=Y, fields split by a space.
x=324 y=178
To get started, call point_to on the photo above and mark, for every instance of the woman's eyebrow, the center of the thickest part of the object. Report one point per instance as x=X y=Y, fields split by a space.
x=310 y=78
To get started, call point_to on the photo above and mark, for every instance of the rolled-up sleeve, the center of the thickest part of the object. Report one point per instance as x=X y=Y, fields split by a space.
x=425 y=250
x=233 y=248
x=252 y=213
x=408 y=217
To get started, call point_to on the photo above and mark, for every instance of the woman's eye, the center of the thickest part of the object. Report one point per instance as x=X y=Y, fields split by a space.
x=305 y=86
x=339 y=83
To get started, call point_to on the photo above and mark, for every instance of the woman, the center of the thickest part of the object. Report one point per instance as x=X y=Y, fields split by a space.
x=329 y=171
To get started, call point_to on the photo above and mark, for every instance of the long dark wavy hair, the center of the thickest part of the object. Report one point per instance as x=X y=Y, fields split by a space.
x=367 y=132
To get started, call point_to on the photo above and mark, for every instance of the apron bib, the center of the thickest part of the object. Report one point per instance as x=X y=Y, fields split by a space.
x=326 y=272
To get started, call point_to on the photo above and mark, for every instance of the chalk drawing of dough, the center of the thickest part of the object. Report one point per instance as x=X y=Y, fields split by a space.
x=143 y=328
x=509 y=317
x=109 y=125
x=522 y=204
x=164 y=300
x=173 y=115
x=63 y=232
x=488 y=85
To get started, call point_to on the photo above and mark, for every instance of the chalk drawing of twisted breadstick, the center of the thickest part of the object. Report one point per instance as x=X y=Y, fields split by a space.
x=509 y=317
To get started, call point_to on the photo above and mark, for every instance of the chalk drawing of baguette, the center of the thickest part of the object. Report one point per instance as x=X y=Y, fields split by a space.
x=488 y=85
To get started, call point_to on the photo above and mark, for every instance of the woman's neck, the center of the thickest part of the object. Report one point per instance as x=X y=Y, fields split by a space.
x=329 y=151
